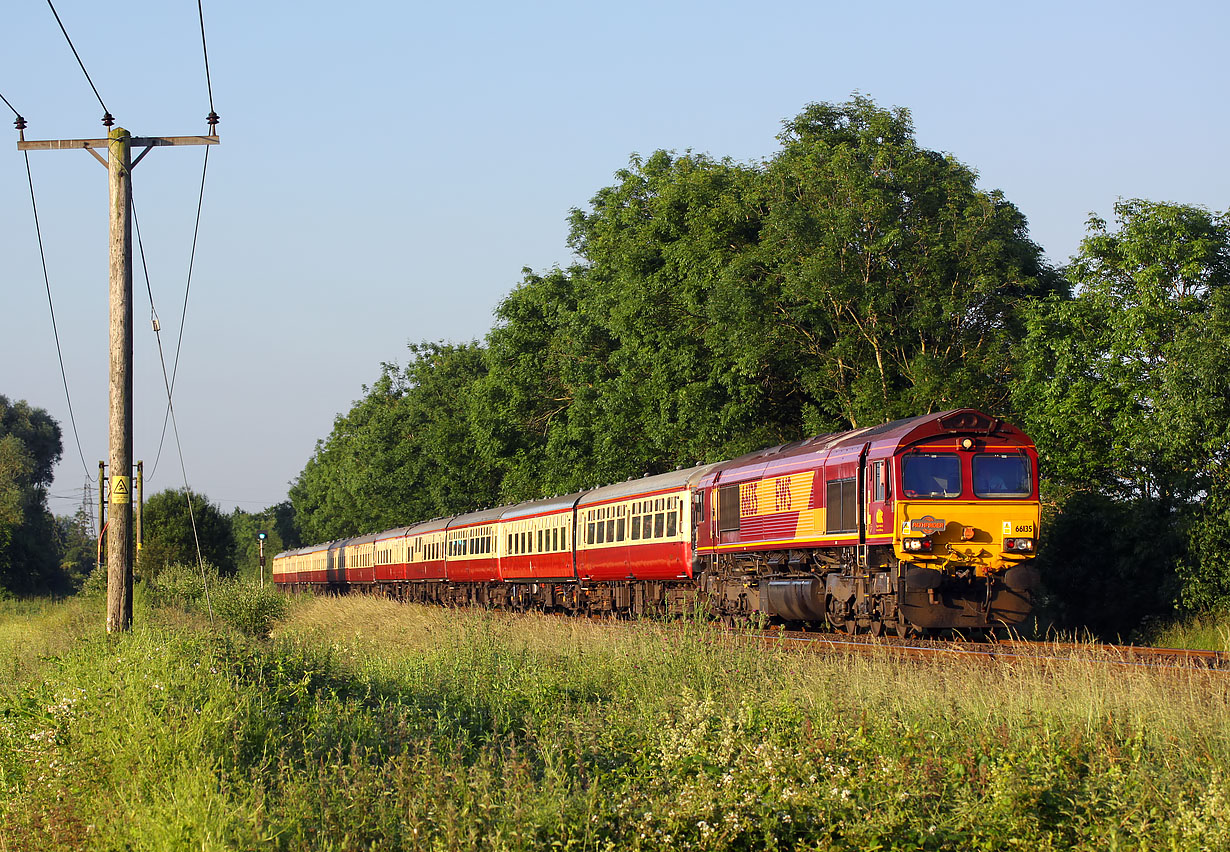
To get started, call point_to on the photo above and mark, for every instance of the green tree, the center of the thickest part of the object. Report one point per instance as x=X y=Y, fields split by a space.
x=1126 y=389
x=894 y=281
x=174 y=525
x=404 y=452
x=277 y=522
x=77 y=546
x=30 y=446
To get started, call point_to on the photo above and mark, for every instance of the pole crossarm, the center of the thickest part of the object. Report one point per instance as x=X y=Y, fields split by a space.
x=136 y=141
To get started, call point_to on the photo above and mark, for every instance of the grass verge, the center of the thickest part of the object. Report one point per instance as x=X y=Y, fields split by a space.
x=363 y=724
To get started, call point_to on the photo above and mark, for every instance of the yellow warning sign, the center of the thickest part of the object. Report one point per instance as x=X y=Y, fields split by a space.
x=120 y=489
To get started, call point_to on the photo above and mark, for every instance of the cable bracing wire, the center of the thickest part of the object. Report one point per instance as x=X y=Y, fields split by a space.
x=170 y=407
x=51 y=307
x=106 y=112
x=183 y=317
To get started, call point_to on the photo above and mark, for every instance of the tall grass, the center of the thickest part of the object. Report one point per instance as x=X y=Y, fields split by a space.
x=363 y=724
x=1208 y=632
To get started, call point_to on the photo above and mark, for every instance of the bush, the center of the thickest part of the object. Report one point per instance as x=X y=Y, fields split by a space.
x=183 y=585
x=243 y=605
x=249 y=608
x=95 y=585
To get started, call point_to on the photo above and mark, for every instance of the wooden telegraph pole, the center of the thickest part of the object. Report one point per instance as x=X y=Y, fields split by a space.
x=119 y=164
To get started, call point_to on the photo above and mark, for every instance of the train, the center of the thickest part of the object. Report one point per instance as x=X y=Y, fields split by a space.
x=921 y=525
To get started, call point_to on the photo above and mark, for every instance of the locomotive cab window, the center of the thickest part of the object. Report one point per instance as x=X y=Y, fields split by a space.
x=931 y=475
x=1002 y=475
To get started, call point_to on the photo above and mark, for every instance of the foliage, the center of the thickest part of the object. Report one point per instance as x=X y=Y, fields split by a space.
x=278 y=524
x=240 y=602
x=251 y=609
x=403 y=453
x=849 y=279
x=176 y=524
x=717 y=308
x=1109 y=564
x=77 y=546
x=1126 y=389
x=30 y=446
x=184 y=585
x=371 y=725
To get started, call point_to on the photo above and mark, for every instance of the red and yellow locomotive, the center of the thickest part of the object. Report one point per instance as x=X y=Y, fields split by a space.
x=925 y=523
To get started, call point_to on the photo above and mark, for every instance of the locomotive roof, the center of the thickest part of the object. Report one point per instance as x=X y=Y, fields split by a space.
x=673 y=480
x=898 y=433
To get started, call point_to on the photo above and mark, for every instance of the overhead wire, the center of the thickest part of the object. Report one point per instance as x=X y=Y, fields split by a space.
x=196 y=230
x=204 y=50
x=42 y=253
x=107 y=119
x=183 y=318
x=196 y=538
x=10 y=106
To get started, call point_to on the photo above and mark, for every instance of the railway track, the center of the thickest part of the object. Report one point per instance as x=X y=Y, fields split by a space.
x=1137 y=656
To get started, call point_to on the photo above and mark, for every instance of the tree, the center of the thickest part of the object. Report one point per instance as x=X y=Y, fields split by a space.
x=893 y=280
x=405 y=452
x=30 y=446
x=77 y=546
x=715 y=308
x=175 y=523
x=1126 y=387
x=277 y=522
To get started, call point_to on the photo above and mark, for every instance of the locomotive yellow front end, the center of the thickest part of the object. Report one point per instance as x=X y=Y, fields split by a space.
x=967 y=521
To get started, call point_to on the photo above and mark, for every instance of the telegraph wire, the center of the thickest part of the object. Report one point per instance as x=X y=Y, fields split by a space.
x=183 y=318
x=107 y=119
x=208 y=83
x=170 y=407
x=51 y=307
x=196 y=230
x=10 y=106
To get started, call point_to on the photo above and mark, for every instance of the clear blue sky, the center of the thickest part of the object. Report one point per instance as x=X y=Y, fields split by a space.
x=387 y=169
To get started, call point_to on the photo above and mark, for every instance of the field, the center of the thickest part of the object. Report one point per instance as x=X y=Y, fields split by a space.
x=362 y=724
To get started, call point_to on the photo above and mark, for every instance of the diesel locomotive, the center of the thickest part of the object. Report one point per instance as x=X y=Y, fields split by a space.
x=918 y=525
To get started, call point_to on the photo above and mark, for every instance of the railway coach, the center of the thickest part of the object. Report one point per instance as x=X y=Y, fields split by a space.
x=921 y=524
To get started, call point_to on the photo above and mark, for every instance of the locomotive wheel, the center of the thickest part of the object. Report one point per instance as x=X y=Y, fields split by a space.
x=876 y=628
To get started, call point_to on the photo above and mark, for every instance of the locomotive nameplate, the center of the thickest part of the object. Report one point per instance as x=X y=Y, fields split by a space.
x=928 y=524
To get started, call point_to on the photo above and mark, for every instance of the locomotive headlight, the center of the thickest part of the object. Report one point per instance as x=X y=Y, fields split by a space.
x=917 y=545
x=1019 y=545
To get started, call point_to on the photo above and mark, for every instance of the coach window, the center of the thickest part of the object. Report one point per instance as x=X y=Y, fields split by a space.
x=672 y=521
x=659 y=524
